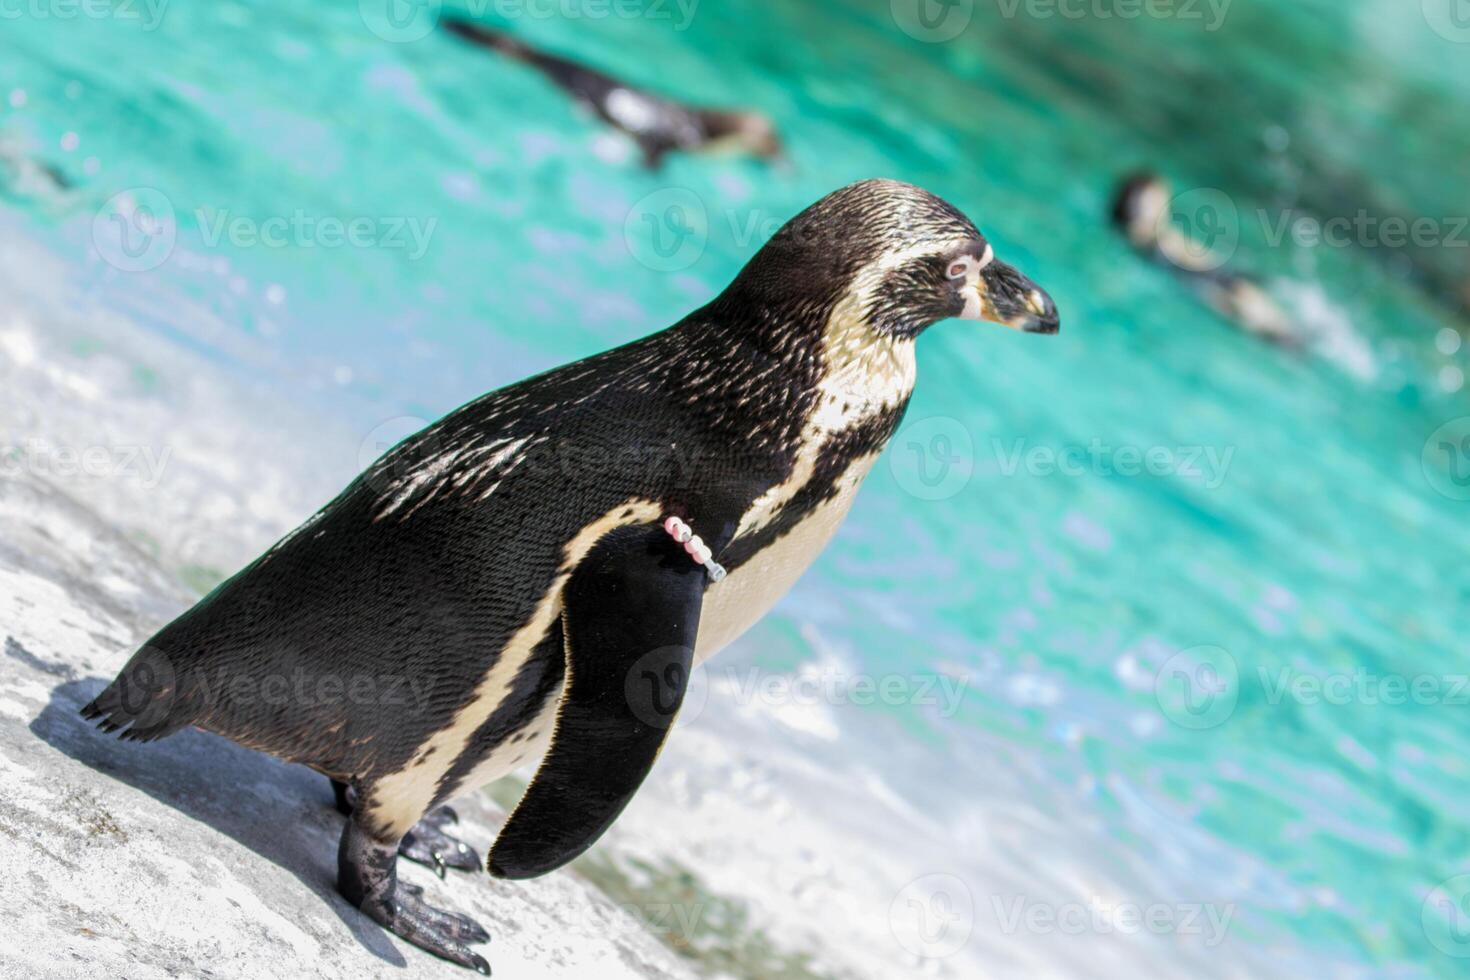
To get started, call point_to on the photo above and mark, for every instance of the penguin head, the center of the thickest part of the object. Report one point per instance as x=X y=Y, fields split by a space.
x=893 y=257
x=1140 y=207
x=742 y=130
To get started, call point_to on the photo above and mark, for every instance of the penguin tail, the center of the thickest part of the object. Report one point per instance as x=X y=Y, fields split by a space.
x=146 y=702
x=487 y=37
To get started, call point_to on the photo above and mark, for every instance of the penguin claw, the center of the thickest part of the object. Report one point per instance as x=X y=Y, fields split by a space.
x=460 y=928
x=367 y=877
x=466 y=929
x=443 y=933
x=430 y=846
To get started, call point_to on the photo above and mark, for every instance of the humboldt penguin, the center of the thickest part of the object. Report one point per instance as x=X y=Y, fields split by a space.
x=656 y=124
x=538 y=571
x=1141 y=213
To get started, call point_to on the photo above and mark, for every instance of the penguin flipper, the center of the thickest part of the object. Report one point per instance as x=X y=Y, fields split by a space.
x=631 y=614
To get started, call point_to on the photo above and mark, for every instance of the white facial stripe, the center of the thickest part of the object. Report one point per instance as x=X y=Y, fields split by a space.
x=874 y=270
x=969 y=268
x=974 y=309
x=969 y=273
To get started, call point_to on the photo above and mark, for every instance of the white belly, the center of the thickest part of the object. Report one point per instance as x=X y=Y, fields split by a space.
x=734 y=605
x=509 y=756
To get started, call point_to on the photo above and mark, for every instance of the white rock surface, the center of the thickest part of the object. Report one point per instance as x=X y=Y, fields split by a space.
x=193 y=856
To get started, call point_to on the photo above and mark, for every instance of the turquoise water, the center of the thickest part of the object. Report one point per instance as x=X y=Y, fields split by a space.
x=1292 y=521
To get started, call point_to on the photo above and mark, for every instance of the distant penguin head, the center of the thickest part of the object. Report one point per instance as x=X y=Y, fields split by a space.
x=743 y=130
x=894 y=258
x=1140 y=205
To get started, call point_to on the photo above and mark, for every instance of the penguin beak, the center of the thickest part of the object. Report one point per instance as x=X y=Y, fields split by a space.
x=1012 y=300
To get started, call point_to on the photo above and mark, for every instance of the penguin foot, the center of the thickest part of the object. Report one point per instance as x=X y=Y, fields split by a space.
x=402 y=911
x=429 y=844
x=461 y=927
x=367 y=876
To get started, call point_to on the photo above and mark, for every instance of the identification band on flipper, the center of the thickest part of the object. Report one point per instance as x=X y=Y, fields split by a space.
x=696 y=548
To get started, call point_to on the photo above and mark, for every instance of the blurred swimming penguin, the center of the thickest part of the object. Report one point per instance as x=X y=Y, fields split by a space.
x=24 y=177
x=1141 y=213
x=657 y=124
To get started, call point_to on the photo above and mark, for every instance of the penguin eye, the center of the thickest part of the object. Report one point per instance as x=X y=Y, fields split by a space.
x=959 y=267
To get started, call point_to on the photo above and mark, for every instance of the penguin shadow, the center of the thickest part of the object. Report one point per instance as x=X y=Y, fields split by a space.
x=282 y=812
